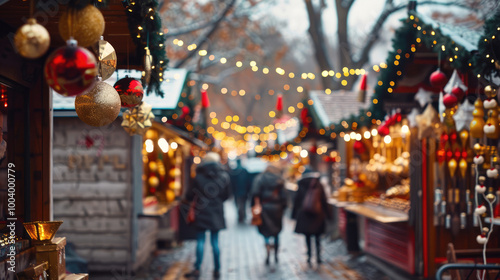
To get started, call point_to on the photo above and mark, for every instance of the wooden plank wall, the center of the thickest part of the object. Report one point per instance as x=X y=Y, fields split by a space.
x=92 y=191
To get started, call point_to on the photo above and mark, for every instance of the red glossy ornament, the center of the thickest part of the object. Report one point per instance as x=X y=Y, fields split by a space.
x=205 y=102
x=453 y=137
x=130 y=90
x=458 y=92
x=464 y=154
x=444 y=138
x=458 y=154
x=449 y=155
x=438 y=79
x=71 y=70
x=450 y=100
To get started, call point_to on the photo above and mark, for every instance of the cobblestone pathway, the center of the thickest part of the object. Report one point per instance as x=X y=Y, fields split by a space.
x=243 y=253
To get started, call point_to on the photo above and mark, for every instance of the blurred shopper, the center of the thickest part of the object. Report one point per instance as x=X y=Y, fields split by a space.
x=210 y=188
x=269 y=196
x=241 y=187
x=310 y=209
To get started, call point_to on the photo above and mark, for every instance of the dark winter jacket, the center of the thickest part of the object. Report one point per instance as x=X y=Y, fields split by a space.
x=309 y=223
x=210 y=188
x=240 y=181
x=270 y=188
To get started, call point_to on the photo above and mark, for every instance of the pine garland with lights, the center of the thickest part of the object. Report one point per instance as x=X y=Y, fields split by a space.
x=487 y=60
x=146 y=31
x=413 y=35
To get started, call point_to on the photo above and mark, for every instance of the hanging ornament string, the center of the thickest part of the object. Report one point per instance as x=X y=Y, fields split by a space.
x=32 y=8
x=439 y=59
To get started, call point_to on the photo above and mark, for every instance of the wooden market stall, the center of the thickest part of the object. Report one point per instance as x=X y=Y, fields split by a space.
x=27 y=122
x=404 y=200
x=124 y=187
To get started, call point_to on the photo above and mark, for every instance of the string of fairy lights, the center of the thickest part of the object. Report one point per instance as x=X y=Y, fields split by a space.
x=219 y=126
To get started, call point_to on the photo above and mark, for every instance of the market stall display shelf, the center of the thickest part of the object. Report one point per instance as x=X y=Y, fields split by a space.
x=339 y=204
x=377 y=213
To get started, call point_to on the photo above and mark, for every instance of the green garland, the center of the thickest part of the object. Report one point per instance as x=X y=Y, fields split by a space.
x=146 y=30
x=487 y=60
x=414 y=35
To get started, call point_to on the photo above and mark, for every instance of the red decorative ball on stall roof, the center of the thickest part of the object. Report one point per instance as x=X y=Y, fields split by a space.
x=383 y=130
x=130 y=90
x=458 y=92
x=450 y=100
x=438 y=79
x=71 y=70
x=359 y=147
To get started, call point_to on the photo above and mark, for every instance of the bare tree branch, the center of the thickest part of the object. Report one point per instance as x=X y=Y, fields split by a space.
x=388 y=10
x=203 y=38
x=316 y=32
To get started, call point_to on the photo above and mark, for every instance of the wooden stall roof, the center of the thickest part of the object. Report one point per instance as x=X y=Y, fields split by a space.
x=340 y=104
x=15 y=12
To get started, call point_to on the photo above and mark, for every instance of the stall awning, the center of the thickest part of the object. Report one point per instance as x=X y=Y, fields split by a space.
x=181 y=136
x=173 y=84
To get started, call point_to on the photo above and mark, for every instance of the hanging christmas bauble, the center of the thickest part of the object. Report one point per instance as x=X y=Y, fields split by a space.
x=154 y=181
x=458 y=92
x=438 y=79
x=131 y=92
x=138 y=120
x=359 y=147
x=70 y=70
x=98 y=107
x=450 y=100
x=148 y=63
x=32 y=40
x=85 y=25
x=106 y=57
x=490 y=91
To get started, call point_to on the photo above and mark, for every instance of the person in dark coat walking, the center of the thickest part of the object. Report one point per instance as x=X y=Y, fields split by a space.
x=241 y=187
x=210 y=188
x=268 y=192
x=311 y=215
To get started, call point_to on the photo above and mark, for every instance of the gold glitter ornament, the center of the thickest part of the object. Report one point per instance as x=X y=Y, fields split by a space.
x=85 y=25
x=138 y=120
x=100 y=106
x=490 y=197
x=32 y=40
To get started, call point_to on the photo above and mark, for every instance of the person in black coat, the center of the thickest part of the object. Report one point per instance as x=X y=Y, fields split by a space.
x=268 y=192
x=210 y=188
x=241 y=187
x=311 y=219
